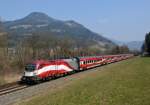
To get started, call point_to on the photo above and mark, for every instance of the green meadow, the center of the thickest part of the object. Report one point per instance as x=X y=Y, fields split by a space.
x=122 y=83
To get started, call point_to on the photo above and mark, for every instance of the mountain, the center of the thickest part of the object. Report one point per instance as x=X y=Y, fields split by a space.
x=132 y=45
x=119 y=43
x=38 y=22
x=33 y=18
x=135 y=45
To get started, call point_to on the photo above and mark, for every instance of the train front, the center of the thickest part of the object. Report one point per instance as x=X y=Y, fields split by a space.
x=30 y=73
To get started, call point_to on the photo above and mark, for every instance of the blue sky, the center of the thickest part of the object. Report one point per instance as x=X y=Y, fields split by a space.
x=124 y=20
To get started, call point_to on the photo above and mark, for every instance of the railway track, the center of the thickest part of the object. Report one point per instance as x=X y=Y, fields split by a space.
x=11 y=87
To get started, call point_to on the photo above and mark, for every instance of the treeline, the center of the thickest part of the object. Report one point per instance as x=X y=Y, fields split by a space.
x=146 y=45
x=120 y=50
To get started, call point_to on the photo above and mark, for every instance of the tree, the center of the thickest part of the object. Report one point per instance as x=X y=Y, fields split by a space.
x=147 y=43
x=33 y=43
x=115 y=50
x=120 y=50
x=124 y=49
x=3 y=51
x=143 y=48
x=3 y=40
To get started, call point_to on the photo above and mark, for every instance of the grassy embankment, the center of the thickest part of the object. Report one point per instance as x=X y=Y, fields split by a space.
x=124 y=83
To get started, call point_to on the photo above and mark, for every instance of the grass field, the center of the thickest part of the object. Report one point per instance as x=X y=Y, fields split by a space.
x=123 y=83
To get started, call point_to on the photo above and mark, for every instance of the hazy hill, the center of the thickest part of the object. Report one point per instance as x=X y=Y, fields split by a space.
x=40 y=22
x=132 y=45
x=135 y=45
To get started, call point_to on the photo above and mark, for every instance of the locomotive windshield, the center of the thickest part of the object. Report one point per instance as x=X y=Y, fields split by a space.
x=30 y=67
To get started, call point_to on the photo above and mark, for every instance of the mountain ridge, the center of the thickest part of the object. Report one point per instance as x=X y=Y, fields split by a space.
x=132 y=45
x=41 y=22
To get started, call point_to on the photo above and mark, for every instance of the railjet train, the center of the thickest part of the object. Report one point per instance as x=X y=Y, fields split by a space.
x=42 y=70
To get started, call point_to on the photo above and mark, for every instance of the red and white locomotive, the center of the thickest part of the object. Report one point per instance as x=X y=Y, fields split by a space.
x=47 y=69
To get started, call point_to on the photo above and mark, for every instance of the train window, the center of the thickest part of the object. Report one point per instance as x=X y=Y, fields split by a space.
x=81 y=62
x=84 y=62
x=30 y=67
